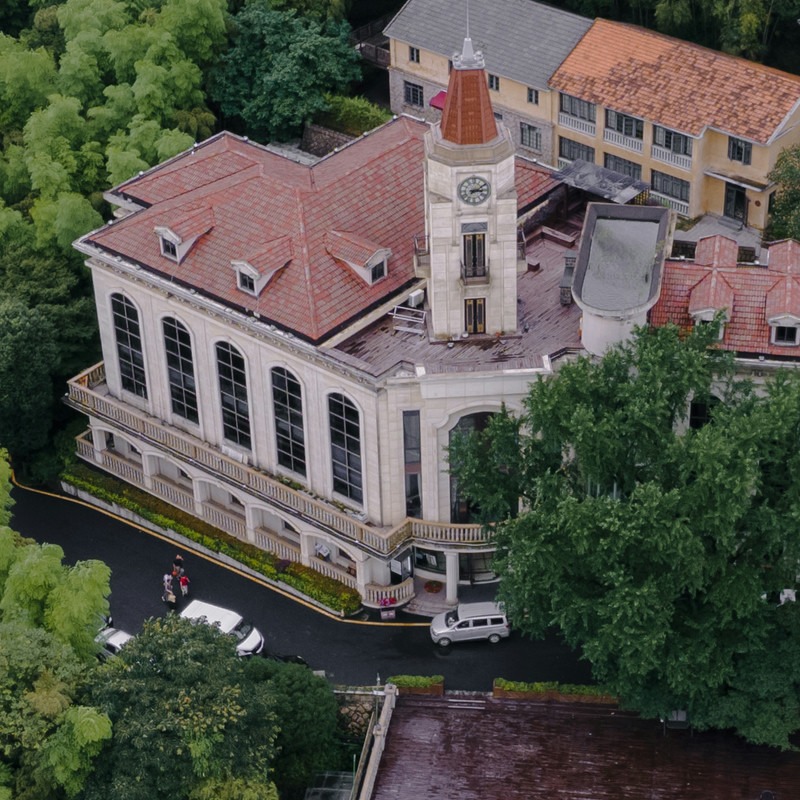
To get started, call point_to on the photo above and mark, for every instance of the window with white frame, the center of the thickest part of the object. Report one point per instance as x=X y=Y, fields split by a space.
x=345 y=429
x=413 y=54
x=377 y=271
x=287 y=401
x=533 y=96
x=784 y=335
x=575 y=107
x=572 y=150
x=622 y=123
x=670 y=186
x=180 y=369
x=412 y=94
x=494 y=82
x=233 y=394
x=623 y=166
x=530 y=136
x=739 y=150
x=130 y=354
x=168 y=248
x=671 y=140
x=247 y=283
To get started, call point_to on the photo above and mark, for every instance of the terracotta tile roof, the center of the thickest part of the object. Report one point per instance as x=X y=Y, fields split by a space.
x=533 y=181
x=188 y=223
x=676 y=84
x=349 y=246
x=759 y=293
x=713 y=293
x=373 y=186
x=468 y=117
x=276 y=254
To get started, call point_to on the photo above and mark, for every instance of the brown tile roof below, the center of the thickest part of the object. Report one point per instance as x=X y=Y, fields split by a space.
x=676 y=84
x=516 y=750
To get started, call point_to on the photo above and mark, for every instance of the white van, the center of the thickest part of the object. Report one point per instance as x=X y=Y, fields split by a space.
x=250 y=641
x=471 y=621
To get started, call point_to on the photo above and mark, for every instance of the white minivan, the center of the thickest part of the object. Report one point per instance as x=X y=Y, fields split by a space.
x=471 y=621
x=250 y=641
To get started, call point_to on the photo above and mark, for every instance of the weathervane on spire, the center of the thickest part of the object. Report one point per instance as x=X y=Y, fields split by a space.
x=468 y=58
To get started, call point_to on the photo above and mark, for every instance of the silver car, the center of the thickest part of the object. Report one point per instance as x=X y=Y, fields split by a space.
x=470 y=621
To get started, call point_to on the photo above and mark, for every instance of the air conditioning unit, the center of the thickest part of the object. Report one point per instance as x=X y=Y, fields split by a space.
x=416 y=298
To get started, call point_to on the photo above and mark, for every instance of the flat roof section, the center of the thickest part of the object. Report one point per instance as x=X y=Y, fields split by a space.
x=489 y=749
x=620 y=260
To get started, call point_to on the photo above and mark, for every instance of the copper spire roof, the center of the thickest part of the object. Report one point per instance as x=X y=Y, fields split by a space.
x=468 y=117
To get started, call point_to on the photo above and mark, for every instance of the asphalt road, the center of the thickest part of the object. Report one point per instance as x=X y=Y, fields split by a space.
x=350 y=652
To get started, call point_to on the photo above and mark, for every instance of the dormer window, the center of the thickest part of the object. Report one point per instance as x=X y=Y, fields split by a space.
x=365 y=257
x=169 y=248
x=784 y=335
x=247 y=283
x=377 y=271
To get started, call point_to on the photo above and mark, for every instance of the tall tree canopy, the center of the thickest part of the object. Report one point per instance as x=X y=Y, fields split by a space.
x=49 y=613
x=659 y=549
x=275 y=76
x=190 y=718
x=785 y=216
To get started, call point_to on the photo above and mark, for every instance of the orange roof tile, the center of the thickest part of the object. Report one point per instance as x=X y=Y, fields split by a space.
x=349 y=246
x=758 y=294
x=676 y=84
x=712 y=293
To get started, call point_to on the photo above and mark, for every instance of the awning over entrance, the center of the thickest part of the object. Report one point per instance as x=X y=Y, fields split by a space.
x=438 y=100
x=745 y=183
x=601 y=181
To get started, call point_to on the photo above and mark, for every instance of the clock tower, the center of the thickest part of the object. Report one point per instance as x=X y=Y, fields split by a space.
x=470 y=210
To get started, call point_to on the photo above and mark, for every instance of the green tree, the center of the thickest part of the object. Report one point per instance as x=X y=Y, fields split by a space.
x=6 y=500
x=49 y=737
x=275 y=76
x=785 y=217
x=28 y=358
x=189 y=718
x=659 y=550
x=307 y=716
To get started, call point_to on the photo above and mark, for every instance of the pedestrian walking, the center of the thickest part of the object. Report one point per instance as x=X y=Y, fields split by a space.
x=168 y=587
x=184 y=584
x=177 y=566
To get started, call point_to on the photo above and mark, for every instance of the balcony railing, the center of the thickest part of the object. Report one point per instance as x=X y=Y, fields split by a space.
x=628 y=142
x=88 y=393
x=474 y=273
x=679 y=206
x=668 y=157
x=577 y=124
x=387 y=596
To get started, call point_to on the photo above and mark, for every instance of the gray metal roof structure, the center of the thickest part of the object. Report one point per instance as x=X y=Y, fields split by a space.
x=602 y=182
x=520 y=39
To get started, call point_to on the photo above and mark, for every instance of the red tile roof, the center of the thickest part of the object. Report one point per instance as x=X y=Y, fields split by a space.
x=371 y=191
x=676 y=84
x=753 y=295
x=468 y=117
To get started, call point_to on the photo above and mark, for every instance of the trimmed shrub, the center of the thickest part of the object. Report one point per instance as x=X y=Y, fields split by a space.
x=352 y=115
x=543 y=687
x=415 y=681
x=327 y=591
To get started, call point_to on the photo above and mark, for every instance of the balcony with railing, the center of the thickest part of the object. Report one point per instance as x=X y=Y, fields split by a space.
x=620 y=140
x=669 y=157
x=577 y=124
x=474 y=273
x=679 y=206
x=89 y=394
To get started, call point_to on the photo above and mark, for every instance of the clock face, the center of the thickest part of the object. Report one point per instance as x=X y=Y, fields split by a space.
x=473 y=190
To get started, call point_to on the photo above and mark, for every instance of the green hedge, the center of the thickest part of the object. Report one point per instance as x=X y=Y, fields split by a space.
x=414 y=681
x=325 y=590
x=352 y=115
x=540 y=687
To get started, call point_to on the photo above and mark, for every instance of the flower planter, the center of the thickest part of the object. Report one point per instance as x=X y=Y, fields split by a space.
x=433 y=690
x=553 y=696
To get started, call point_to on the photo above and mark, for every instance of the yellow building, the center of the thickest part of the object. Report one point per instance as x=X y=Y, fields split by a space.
x=702 y=128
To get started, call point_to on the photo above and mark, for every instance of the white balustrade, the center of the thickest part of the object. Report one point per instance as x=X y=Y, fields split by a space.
x=577 y=124
x=668 y=157
x=628 y=142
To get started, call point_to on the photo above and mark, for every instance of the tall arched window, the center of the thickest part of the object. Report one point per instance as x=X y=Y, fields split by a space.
x=180 y=369
x=233 y=394
x=287 y=401
x=345 y=447
x=129 y=345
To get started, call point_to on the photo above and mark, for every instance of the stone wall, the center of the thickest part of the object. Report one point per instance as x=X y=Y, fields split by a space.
x=320 y=141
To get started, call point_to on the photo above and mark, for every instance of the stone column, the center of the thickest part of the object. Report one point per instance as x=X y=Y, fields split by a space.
x=451 y=568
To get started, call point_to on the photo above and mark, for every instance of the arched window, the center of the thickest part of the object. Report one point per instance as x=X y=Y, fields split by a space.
x=180 y=369
x=129 y=345
x=287 y=401
x=233 y=394
x=345 y=447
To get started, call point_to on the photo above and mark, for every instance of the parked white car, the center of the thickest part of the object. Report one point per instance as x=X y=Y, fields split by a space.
x=470 y=621
x=249 y=639
x=112 y=641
